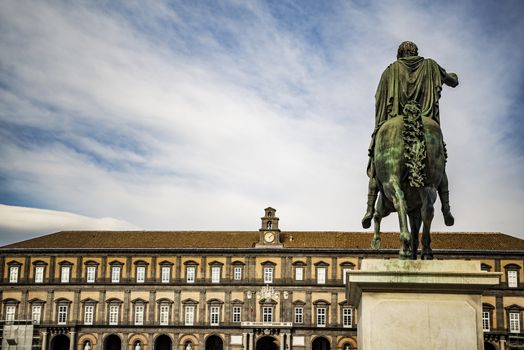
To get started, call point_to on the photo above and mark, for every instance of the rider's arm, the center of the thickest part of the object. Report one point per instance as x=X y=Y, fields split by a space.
x=450 y=79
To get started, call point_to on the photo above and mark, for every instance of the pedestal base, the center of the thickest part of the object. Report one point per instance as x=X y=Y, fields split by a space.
x=419 y=305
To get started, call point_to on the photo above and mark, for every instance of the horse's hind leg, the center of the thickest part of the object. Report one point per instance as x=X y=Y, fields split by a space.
x=380 y=213
x=397 y=197
x=429 y=195
x=415 y=220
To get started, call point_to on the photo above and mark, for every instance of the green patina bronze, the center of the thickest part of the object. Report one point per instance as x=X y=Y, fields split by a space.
x=407 y=151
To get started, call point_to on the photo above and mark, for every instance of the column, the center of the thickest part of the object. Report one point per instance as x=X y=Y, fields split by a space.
x=244 y=341
x=27 y=265
x=49 y=306
x=499 y=310
x=72 y=340
x=307 y=309
x=308 y=269
x=23 y=305
x=176 y=306
x=44 y=340
x=227 y=306
x=203 y=265
x=307 y=340
x=334 y=267
x=129 y=266
x=228 y=268
x=2 y=263
x=79 y=268
x=202 y=308
x=104 y=268
x=102 y=307
x=76 y=306
x=334 y=309
x=52 y=267
x=178 y=268
x=153 y=269
x=126 y=311
x=152 y=304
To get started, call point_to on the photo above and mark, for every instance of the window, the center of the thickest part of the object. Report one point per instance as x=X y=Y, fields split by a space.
x=10 y=312
x=91 y=274
x=267 y=314
x=190 y=274
x=139 y=314
x=237 y=273
x=13 y=273
x=321 y=316
x=140 y=274
x=115 y=274
x=344 y=274
x=113 y=314
x=485 y=321
x=485 y=267
x=514 y=322
x=189 y=315
x=39 y=274
x=299 y=314
x=36 y=313
x=62 y=314
x=89 y=311
x=214 y=315
x=237 y=314
x=65 y=272
x=268 y=274
x=347 y=317
x=299 y=273
x=215 y=274
x=321 y=275
x=166 y=274
x=512 y=278
x=164 y=315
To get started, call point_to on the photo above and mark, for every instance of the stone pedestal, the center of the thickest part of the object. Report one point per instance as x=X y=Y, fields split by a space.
x=429 y=305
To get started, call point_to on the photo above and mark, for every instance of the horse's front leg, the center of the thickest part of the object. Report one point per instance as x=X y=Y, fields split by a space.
x=428 y=211
x=377 y=219
x=415 y=221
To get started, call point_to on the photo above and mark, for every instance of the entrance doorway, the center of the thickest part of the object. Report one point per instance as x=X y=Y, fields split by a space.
x=266 y=343
x=113 y=342
x=214 y=342
x=321 y=343
x=163 y=342
x=60 y=342
x=489 y=346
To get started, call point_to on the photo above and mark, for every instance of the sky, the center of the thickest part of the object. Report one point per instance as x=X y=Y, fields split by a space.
x=197 y=115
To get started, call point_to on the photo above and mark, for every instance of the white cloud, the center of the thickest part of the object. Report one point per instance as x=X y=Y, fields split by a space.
x=165 y=126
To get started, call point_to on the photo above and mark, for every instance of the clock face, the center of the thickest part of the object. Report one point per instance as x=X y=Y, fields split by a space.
x=269 y=237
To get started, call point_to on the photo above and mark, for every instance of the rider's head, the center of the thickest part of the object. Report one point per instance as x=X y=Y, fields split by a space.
x=406 y=49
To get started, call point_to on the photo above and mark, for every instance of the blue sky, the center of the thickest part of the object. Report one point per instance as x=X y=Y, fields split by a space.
x=197 y=115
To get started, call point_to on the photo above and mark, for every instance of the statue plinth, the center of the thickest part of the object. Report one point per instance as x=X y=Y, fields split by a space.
x=416 y=304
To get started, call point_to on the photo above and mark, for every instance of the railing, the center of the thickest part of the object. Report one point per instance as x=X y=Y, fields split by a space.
x=516 y=341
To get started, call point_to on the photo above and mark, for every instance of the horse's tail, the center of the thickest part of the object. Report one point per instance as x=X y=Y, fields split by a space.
x=414 y=144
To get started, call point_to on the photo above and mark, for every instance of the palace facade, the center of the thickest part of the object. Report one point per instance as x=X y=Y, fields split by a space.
x=258 y=290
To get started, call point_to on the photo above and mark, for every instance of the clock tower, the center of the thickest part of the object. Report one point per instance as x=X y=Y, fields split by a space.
x=269 y=232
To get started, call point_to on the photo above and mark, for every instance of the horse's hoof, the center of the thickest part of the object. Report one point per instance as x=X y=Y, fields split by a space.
x=449 y=220
x=375 y=243
x=427 y=255
x=405 y=255
x=366 y=221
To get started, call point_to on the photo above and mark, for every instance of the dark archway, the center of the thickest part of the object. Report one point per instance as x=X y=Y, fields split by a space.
x=489 y=346
x=60 y=342
x=321 y=343
x=163 y=342
x=214 y=342
x=266 y=343
x=113 y=342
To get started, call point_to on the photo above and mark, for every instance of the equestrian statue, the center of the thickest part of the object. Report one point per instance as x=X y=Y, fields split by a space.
x=407 y=161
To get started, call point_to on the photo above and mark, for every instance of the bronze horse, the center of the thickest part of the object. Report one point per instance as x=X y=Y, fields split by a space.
x=409 y=161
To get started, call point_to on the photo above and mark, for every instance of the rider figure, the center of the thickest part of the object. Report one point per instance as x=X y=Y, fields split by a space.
x=409 y=78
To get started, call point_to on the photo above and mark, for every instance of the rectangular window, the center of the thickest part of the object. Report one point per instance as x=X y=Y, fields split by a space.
x=91 y=274
x=299 y=273
x=321 y=317
x=164 y=315
x=267 y=314
x=344 y=274
x=139 y=314
x=39 y=274
x=268 y=275
x=64 y=273
x=514 y=322
x=13 y=274
x=215 y=274
x=113 y=314
x=237 y=312
x=299 y=314
x=140 y=274
x=512 y=279
x=10 y=312
x=189 y=315
x=62 y=314
x=166 y=274
x=115 y=274
x=485 y=321
x=347 y=317
x=89 y=311
x=237 y=273
x=190 y=274
x=36 y=313
x=321 y=275
x=214 y=315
